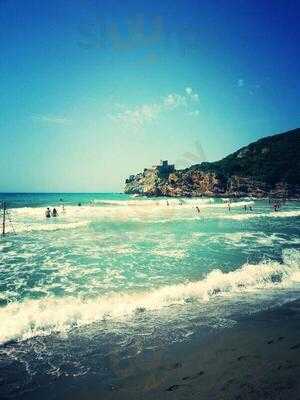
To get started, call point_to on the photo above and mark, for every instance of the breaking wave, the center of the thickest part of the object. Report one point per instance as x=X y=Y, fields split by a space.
x=20 y=321
x=32 y=227
x=28 y=219
x=272 y=214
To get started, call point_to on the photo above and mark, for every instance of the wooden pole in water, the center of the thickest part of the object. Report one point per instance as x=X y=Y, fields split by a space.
x=3 y=222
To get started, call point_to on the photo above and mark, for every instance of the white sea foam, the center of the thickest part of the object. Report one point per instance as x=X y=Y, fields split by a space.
x=179 y=253
x=19 y=227
x=156 y=201
x=41 y=317
x=29 y=219
x=273 y=214
x=240 y=239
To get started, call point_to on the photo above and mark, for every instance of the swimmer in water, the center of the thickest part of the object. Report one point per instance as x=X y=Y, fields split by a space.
x=198 y=209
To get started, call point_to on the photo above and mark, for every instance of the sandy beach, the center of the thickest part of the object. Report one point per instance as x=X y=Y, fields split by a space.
x=259 y=358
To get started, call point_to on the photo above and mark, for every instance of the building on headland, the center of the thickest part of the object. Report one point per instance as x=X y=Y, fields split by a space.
x=164 y=167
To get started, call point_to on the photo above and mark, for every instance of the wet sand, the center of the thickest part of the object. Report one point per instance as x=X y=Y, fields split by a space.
x=259 y=358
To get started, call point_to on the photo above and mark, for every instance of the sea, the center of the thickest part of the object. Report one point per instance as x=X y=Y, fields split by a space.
x=114 y=277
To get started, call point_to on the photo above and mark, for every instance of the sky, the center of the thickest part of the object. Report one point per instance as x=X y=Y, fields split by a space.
x=93 y=91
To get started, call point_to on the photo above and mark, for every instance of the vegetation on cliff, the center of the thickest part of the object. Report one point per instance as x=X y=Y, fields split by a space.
x=270 y=166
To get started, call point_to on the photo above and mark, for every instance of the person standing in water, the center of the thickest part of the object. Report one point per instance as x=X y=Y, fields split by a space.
x=54 y=213
x=229 y=207
x=48 y=213
x=198 y=209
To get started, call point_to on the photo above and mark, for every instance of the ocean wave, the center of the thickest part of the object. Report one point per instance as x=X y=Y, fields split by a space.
x=260 y=238
x=96 y=208
x=203 y=216
x=29 y=219
x=20 y=321
x=272 y=214
x=156 y=201
x=169 y=253
x=47 y=226
x=242 y=238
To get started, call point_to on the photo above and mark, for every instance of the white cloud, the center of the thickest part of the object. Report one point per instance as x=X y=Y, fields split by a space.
x=51 y=119
x=174 y=100
x=138 y=116
x=191 y=95
x=146 y=113
x=195 y=97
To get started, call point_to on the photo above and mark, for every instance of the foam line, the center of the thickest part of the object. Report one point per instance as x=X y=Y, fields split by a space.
x=44 y=316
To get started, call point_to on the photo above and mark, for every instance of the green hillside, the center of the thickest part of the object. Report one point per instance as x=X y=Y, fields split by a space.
x=271 y=159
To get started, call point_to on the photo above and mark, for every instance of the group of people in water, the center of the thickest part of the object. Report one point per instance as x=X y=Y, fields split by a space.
x=50 y=213
x=277 y=204
x=246 y=207
x=54 y=212
x=229 y=207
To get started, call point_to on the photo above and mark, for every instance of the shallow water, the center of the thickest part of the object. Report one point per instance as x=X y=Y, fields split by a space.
x=118 y=275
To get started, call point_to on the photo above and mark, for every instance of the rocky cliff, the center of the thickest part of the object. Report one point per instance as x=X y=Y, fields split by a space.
x=268 y=167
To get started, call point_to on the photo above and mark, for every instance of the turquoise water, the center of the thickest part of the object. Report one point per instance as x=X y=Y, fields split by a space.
x=123 y=275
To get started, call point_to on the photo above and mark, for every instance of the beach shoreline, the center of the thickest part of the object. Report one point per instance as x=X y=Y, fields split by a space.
x=258 y=358
x=124 y=301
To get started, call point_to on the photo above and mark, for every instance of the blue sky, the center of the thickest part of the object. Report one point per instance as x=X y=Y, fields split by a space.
x=92 y=91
